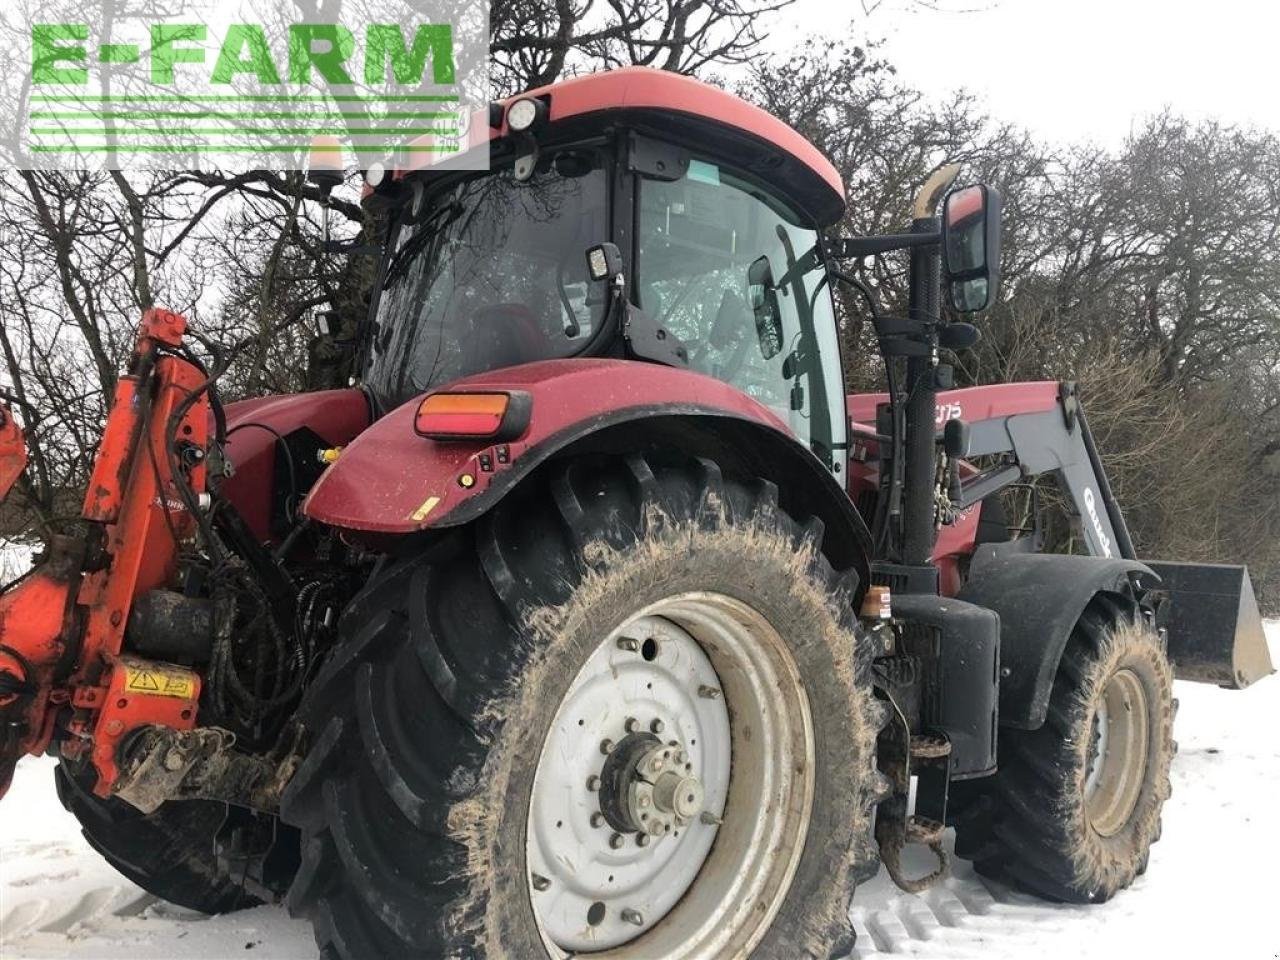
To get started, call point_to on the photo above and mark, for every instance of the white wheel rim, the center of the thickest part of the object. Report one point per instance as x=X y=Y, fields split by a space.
x=1121 y=747
x=706 y=888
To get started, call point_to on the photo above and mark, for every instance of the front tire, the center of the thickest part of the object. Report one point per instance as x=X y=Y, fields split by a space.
x=1075 y=807
x=433 y=798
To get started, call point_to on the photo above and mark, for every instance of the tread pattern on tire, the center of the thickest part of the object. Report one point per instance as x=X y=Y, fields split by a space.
x=1026 y=826
x=398 y=855
x=168 y=853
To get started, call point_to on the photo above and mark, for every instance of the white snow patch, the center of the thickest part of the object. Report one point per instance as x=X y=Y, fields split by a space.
x=1209 y=890
x=15 y=559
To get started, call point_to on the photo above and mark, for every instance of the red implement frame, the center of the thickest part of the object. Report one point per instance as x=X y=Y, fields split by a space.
x=62 y=628
x=13 y=451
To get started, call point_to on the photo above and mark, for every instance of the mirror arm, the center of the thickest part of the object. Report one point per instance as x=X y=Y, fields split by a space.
x=848 y=248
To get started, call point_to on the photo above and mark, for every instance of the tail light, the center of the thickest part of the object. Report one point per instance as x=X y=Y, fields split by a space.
x=497 y=417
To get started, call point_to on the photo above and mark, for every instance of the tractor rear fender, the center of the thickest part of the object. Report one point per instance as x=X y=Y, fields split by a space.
x=391 y=481
x=1039 y=598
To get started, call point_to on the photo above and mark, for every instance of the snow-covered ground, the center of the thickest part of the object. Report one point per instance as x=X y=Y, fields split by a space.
x=1210 y=890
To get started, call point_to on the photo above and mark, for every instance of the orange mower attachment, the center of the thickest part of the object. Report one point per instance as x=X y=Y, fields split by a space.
x=62 y=626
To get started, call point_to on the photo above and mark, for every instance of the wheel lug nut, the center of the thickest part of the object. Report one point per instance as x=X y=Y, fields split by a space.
x=708 y=693
x=606 y=746
x=634 y=917
x=642 y=839
x=632 y=725
x=597 y=819
x=616 y=841
x=593 y=783
x=540 y=883
x=657 y=726
x=629 y=644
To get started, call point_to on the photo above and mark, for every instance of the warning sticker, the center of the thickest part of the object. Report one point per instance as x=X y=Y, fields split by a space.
x=159 y=681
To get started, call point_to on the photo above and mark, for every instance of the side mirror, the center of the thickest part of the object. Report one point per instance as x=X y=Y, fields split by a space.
x=971 y=247
x=763 y=294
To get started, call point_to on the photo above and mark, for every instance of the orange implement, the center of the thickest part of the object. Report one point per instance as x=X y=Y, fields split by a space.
x=13 y=451
x=62 y=627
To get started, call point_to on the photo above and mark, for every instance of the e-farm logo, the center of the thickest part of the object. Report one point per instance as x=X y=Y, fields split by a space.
x=323 y=47
x=253 y=84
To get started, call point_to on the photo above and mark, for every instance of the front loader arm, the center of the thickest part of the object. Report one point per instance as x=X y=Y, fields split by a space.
x=63 y=673
x=1213 y=627
x=1042 y=426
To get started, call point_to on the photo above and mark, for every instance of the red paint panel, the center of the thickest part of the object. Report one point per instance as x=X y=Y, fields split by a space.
x=971 y=404
x=390 y=480
x=640 y=88
x=13 y=451
x=151 y=520
x=105 y=494
x=335 y=415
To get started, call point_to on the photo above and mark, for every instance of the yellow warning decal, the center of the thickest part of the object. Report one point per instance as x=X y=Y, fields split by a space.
x=159 y=680
x=425 y=510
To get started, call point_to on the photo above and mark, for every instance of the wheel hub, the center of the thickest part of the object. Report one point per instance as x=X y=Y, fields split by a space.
x=616 y=821
x=662 y=793
x=640 y=843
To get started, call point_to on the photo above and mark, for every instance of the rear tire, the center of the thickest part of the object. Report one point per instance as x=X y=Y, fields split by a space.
x=430 y=721
x=1075 y=807
x=168 y=853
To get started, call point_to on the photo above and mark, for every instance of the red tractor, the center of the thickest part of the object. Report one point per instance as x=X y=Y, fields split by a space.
x=595 y=618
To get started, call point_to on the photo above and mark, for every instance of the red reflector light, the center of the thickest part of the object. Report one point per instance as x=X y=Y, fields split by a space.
x=473 y=416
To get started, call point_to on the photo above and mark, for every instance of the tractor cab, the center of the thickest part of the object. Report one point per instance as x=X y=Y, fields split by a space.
x=718 y=266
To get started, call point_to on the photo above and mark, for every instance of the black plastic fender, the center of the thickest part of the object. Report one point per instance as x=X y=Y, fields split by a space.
x=968 y=673
x=1039 y=598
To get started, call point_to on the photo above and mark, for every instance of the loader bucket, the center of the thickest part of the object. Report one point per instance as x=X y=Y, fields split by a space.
x=1215 y=627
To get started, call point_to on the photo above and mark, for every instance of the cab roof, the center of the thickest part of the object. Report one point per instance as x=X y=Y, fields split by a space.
x=700 y=117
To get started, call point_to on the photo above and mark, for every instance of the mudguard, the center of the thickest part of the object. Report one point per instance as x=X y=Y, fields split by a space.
x=391 y=481
x=1039 y=598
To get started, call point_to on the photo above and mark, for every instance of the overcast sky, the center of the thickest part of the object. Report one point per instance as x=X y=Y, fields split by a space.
x=1082 y=69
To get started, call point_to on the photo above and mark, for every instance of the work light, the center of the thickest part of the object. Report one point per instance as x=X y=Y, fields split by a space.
x=604 y=261
x=524 y=113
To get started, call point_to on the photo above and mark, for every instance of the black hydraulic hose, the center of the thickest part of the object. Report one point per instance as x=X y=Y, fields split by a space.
x=922 y=400
x=889 y=501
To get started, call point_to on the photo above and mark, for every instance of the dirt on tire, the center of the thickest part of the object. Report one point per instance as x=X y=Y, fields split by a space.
x=1028 y=825
x=428 y=722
